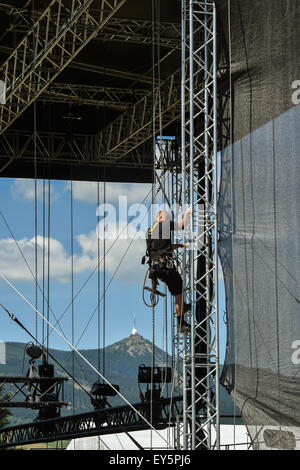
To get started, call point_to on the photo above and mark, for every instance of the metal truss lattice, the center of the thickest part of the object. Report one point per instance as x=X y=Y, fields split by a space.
x=199 y=188
x=47 y=48
x=135 y=125
x=95 y=423
x=60 y=148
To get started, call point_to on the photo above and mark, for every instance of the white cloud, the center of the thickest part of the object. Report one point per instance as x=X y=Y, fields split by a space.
x=87 y=191
x=85 y=259
x=130 y=269
x=22 y=188
x=13 y=266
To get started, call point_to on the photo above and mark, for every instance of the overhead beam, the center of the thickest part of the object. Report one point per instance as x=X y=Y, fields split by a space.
x=59 y=147
x=140 y=32
x=5 y=7
x=158 y=108
x=124 y=30
x=24 y=71
x=109 y=97
x=143 y=78
x=61 y=156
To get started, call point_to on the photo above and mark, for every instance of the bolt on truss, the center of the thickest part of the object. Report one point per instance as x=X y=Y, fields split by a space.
x=46 y=50
x=201 y=410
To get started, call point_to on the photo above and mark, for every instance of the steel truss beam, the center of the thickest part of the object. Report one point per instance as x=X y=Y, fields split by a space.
x=41 y=56
x=112 y=72
x=59 y=147
x=99 y=69
x=122 y=30
x=107 y=421
x=109 y=97
x=140 y=32
x=199 y=186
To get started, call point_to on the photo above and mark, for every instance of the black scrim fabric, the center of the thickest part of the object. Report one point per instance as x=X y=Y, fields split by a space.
x=259 y=219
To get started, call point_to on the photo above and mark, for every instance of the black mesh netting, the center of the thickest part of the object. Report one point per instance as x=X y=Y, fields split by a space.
x=259 y=219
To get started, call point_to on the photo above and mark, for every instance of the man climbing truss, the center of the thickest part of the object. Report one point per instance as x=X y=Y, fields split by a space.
x=160 y=251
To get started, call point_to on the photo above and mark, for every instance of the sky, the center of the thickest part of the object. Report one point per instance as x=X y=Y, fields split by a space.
x=74 y=218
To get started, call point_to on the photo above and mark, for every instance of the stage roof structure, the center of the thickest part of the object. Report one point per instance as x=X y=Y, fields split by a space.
x=80 y=78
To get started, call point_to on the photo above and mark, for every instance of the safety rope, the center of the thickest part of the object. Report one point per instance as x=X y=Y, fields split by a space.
x=153 y=201
x=48 y=264
x=104 y=281
x=35 y=176
x=72 y=289
x=98 y=283
x=43 y=259
x=154 y=297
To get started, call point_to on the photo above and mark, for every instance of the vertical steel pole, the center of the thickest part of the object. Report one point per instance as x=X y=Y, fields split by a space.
x=191 y=201
x=216 y=260
x=183 y=159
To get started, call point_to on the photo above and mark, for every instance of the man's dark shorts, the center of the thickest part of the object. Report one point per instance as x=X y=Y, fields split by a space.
x=168 y=275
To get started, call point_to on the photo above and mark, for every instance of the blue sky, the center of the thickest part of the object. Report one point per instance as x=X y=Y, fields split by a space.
x=124 y=295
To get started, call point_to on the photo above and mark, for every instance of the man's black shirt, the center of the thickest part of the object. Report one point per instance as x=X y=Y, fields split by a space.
x=159 y=237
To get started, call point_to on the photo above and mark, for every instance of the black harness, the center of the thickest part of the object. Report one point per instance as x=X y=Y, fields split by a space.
x=160 y=261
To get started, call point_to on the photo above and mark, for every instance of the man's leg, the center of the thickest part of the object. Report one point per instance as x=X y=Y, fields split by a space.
x=174 y=282
x=178 y=305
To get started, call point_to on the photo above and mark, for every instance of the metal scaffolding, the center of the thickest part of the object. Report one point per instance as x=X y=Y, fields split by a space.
x=199 y=188
x=48 y=47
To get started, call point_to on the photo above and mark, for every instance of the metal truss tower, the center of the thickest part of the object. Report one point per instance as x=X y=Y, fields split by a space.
x=199 y=188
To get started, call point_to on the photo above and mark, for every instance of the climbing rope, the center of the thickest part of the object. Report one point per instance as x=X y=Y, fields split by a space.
x=98 y=284
x=72 y=290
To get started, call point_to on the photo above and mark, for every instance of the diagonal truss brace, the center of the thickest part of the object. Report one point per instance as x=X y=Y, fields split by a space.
x=40 y=56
